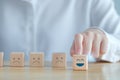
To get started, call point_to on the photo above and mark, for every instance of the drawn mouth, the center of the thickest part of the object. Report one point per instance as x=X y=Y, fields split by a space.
x=35 y=62
x=59 y=62
x=16 y=62
x=80 y=64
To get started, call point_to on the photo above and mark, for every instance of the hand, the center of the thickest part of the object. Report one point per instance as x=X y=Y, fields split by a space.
x=92 y=41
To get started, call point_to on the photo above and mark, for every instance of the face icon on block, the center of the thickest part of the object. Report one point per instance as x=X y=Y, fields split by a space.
x=80 y=62
x=17 y=59
x=37 y=59
x=59 y=60
x=1 y=59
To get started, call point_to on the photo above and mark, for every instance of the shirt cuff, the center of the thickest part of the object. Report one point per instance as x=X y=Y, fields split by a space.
x=111 y=54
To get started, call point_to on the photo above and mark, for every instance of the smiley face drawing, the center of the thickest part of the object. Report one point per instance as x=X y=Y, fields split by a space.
x=37 y=59
x=17 y=59
x=80 y=62
x=59 y=60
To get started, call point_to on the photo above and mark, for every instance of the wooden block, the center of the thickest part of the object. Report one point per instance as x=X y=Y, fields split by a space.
x=80 y=62
x=59 y=60
x=1 y=59
x=37 y=59
x=17 y=59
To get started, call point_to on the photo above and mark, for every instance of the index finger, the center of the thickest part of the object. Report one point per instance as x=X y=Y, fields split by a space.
x=78 y=43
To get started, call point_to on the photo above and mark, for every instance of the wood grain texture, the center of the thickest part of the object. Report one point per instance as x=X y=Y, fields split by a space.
x=96 y=71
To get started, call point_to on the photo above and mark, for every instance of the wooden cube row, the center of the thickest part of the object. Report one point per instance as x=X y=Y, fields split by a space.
x=80 y=62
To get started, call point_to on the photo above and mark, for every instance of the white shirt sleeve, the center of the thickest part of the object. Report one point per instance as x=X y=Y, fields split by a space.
x=113 y=52
x=104 y=16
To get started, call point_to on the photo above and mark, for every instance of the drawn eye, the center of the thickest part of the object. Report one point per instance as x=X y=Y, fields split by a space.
x=56 y=57
x=18 y=58
x=13 y=58
x=38 y=58
x=33 y=58
x=82 y=60
x=78 y=60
